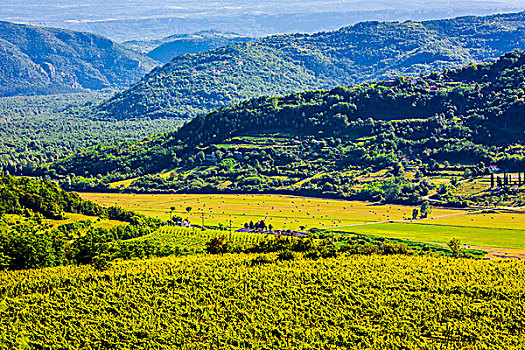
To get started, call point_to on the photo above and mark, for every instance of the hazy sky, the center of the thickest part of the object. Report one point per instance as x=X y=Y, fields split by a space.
x=23 y=10
x=124 y=20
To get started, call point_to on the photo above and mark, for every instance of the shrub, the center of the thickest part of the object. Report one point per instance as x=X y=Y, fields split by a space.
x=303 y=244
x=391 y=248
x=261 y=260
x=286 y=255
x=368 y=250
x=101 y=262
x=327 y=249
x=218 y=245
x=313 y=254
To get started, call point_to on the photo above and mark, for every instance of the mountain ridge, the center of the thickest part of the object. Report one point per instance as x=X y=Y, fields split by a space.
x=469 y=117
x=37 y=60
x=195 y=84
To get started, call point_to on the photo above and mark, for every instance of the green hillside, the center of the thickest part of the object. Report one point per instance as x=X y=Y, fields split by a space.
x=323 y=142
x=166 y=49
x=42 y=225
x=195 y=84
x=36 y=60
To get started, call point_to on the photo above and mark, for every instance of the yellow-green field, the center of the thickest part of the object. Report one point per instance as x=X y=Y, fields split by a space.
x=70 y=218
x=104 y=223
x=505 y=230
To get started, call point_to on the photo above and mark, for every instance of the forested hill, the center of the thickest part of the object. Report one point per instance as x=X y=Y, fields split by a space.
x=464 y=116
x=195 y=84
x=48 y=60
x=166 y=49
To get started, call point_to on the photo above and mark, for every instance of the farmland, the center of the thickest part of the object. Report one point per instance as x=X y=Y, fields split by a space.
x=225 y=302
x=489 y=229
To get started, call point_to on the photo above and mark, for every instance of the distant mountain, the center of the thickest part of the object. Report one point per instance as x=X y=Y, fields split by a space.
x=166 y=49
x=36 y=60
x=470 y=117
x=194 y=43
x=155 y=19
x=195 y=84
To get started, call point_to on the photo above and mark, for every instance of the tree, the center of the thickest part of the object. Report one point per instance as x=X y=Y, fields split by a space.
x=399 y=170
x=415 y=213
x=425 y=209
x=200 y=157
x=455 y=247
x=218 y=245
x=188 y=209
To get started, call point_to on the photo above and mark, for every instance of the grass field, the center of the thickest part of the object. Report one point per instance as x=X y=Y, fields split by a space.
x=505 y=230
x=281 y=211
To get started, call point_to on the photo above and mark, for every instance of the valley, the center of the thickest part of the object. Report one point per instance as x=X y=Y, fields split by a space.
x=487 y=228
x=181 y=184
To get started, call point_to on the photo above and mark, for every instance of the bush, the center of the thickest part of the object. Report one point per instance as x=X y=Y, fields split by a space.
x=368 y=250
x=303 y=245
x=286 y=255
x=391 y=248
x=261 y=260
x=218 y=245
x=313 y=254
x=328 y=250
x=101 y=262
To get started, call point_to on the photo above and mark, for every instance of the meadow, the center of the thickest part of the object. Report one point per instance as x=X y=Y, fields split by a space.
x=488 y=229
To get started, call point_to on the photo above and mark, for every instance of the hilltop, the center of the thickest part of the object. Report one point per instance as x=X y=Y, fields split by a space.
x=323 y=142
x=193 y=84
x=166 y=49
x=35 y=60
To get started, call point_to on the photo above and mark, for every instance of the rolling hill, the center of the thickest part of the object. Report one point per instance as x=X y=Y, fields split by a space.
x=36 y=60
x=322 y=142
x=195 y=84
x=166 y=49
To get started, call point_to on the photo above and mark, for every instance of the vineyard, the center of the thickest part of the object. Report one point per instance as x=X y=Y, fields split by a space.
x=227 y=302
x=193 y=240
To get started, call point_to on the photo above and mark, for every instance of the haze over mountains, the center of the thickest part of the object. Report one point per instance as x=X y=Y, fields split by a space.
x=149 y=20
x=195 y=84
x=166 y=49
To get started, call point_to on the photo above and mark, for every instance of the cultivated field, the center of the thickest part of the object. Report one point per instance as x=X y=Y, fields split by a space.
x=497 y=229
x=228 y=302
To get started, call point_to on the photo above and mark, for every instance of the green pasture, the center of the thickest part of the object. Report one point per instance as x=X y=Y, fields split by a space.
x=498 y=229
x=434 y=232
